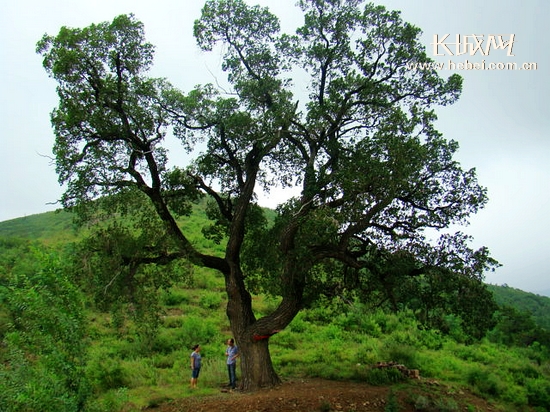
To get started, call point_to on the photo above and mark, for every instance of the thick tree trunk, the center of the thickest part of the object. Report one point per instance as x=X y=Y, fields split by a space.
x=252 y=335
x=253 y=341
x=256 y=366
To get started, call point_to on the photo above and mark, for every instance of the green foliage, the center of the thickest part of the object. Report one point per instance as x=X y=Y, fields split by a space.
x=49 y=227
x=125 y=287
x=43 y=340
x=174 y=297
x=110 y=401
x=448 y=301
x=524 y=302
x=392 y=404
x=357 y=337
x=323 y=341
x=516 y=328
x=196 y=330
x=325 y=407
x=210 y=300
x=106 y=53
x=361 y=147
x=387 y=376
x=431 y=404
x=405 y=355
x=491 y=371
x=485 y=382
x=105 y=371
x=538 y=392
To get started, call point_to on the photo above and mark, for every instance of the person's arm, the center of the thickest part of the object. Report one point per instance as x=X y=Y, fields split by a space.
x=192 y=362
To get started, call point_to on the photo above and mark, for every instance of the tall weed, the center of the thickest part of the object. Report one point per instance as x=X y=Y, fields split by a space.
x=42 y=347
x=538 y=392
x=484 y=382
x=402 y=354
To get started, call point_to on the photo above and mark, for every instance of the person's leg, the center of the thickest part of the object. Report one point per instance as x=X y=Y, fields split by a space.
x=194 y=378
x=232 y=375
x=197 y=376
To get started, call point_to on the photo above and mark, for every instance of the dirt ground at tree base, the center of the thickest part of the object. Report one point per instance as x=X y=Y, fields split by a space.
x=322 y=395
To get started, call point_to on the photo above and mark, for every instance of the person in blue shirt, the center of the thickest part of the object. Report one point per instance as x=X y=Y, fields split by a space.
x=195 y=365
x=232 y=353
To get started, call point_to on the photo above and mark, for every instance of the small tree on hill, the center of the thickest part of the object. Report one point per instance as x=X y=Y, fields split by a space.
x=360 y=145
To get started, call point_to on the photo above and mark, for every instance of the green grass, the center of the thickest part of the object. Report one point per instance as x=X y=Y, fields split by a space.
x=307 y=348
x=127 y=371
x=50 y=227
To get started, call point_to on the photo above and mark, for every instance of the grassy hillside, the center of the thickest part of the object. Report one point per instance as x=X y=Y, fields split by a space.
x=129 y=367
x=49 y=227
x=57 y=227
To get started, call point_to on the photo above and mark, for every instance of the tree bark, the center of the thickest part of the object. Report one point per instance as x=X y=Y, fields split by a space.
x=256 y=367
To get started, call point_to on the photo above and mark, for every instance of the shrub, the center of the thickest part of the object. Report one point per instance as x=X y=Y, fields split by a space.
x=453 y=324
x=525 y=371
x=431 y=339
x=196 y=330
x=513 y=394
x=167 y=341
x=376 y=324
x=385 y=376
x=43 y=345
x=113 y=400
x=210 y=300
x=106 y=373
x=298 y=325
x=424 y=403
x=322 y=313
x=403 y=354
x=172 y=322
x=331 y=333
x=139 y=372
x=287 y=340
x=484 y=382
x=265 y=304
x=27 y=385
x=207 y=279
x=392 y=404
x=538 y=393
x=369 y=326
x=175 y=297
x=163 y=361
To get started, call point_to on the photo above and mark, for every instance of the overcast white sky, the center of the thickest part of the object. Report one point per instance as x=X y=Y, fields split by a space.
x=501 y=120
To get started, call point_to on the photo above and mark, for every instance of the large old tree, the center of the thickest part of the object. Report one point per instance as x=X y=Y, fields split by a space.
x=332 y=111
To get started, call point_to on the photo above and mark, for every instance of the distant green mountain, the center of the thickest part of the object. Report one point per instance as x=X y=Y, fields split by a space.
x=56 y=227
x=538 y=306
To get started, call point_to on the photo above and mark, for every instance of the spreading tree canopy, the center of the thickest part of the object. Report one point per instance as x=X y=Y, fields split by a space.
x=332 y=111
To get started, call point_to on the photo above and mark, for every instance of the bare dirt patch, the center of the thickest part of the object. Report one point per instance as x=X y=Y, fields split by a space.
x=323 y=395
